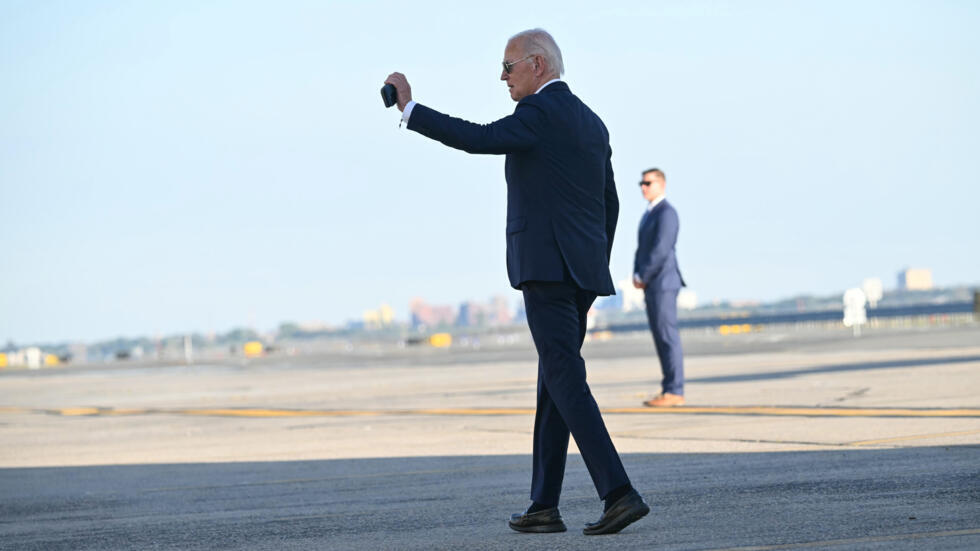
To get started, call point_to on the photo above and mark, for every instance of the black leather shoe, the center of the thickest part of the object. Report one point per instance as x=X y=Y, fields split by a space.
x=627 y=510
x=541 y=522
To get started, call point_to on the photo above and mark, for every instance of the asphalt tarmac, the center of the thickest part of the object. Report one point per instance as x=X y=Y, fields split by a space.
x=793 y=440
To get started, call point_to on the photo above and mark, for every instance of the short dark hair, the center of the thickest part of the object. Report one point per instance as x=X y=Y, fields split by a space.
x=656 y=171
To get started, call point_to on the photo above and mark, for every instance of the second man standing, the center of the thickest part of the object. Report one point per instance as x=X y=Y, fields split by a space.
x=655 y=271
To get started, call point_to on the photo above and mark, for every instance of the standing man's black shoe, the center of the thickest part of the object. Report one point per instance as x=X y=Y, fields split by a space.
x=627 y=510
x=548 y=520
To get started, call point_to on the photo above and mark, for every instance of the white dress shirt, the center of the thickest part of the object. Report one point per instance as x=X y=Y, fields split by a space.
x=656 y=202
x=407 y=113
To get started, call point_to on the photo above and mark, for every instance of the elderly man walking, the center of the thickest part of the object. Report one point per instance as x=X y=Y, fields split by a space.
x=562 y=210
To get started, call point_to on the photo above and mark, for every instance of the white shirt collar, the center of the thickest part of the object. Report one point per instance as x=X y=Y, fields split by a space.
x=547 y=83
x=656 y=202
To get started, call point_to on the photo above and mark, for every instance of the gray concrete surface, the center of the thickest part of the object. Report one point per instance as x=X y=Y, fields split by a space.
x=925 y=496
x=158 y=466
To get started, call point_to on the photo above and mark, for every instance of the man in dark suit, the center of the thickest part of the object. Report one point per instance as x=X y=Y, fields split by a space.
x=655 y=271
x=561 y=217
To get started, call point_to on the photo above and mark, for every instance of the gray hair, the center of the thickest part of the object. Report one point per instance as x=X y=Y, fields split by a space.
x=540 y=42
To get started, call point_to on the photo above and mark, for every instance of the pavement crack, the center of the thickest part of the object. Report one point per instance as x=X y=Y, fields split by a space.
x=853 y=394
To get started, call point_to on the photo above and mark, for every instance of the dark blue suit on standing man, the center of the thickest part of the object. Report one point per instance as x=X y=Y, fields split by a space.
x=562 y=209
x=655 y=265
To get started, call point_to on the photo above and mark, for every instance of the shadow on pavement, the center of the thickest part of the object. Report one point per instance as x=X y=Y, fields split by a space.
x=834 y=368
x=907 y=498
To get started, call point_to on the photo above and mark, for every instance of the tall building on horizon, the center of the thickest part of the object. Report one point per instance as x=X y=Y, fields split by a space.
x=376 y=319
x=632 y=297
x=471 y=314
x=479 y=314
x=500 y=312
x=430 y=315
x=915 y=279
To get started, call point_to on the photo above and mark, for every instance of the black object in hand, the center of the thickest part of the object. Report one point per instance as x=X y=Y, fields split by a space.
x=389 y=95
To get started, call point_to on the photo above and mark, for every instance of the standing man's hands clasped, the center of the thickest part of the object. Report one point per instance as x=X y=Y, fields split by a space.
x=401 y=85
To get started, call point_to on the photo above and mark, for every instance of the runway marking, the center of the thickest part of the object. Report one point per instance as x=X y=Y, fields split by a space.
x=271 y=412
x=68 y=412
x=851 y=541
x=487 y=412
x=913 y=437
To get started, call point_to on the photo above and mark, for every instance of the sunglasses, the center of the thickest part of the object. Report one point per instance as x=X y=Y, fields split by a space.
x=645 y=183
x=509 y=65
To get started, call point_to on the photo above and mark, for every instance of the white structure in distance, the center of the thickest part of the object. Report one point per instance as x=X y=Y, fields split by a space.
x=855 y=314
x=632 y=297
x=687 y=299
x=873 y=290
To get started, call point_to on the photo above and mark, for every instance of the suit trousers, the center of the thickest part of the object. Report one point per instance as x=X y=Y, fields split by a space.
x=556 y=315
x=662 y=316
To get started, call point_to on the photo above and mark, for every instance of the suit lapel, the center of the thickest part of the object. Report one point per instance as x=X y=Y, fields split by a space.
x=643 y=219
x=648 y=215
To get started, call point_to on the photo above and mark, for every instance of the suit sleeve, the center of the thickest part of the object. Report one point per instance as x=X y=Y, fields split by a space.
x=612 y=206
x=664 y=241
x=516 y=132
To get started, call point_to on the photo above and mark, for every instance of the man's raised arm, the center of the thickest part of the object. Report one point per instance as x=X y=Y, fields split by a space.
x=512 y=133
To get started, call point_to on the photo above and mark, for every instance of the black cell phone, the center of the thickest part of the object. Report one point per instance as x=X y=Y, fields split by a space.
x=389 y=94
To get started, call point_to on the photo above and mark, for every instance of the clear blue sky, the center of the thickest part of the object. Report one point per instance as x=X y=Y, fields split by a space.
x=195 y=166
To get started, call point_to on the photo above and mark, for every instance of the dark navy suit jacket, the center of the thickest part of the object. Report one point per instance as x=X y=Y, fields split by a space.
x=656 y=262
x=562 y=205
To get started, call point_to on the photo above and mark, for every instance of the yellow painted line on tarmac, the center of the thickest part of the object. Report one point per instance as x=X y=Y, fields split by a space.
x=853 y=541
x=273 y=412
x=91 y=411
x=487 y=412
x=913 y=437
x=472 y=411
x=72 y=412
x=347 y=413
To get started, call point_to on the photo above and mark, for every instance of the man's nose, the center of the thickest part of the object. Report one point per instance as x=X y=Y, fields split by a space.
x=504 y=75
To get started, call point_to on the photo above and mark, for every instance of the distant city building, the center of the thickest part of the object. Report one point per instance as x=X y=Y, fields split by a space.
x=78 y=352
x=915 y=279
x=687 y=299
x=376 y=319
x=371 y=318
x=471 y=314
x=520 y=315
x=628 y=298
x=32 y=357
x=28 y=357
x=632 y=297
x=478 y=314
x=500 y=313
x=313 y=326
x=431 y=315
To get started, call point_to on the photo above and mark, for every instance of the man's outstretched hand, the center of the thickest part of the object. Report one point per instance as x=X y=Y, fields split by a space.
x=401 y=85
